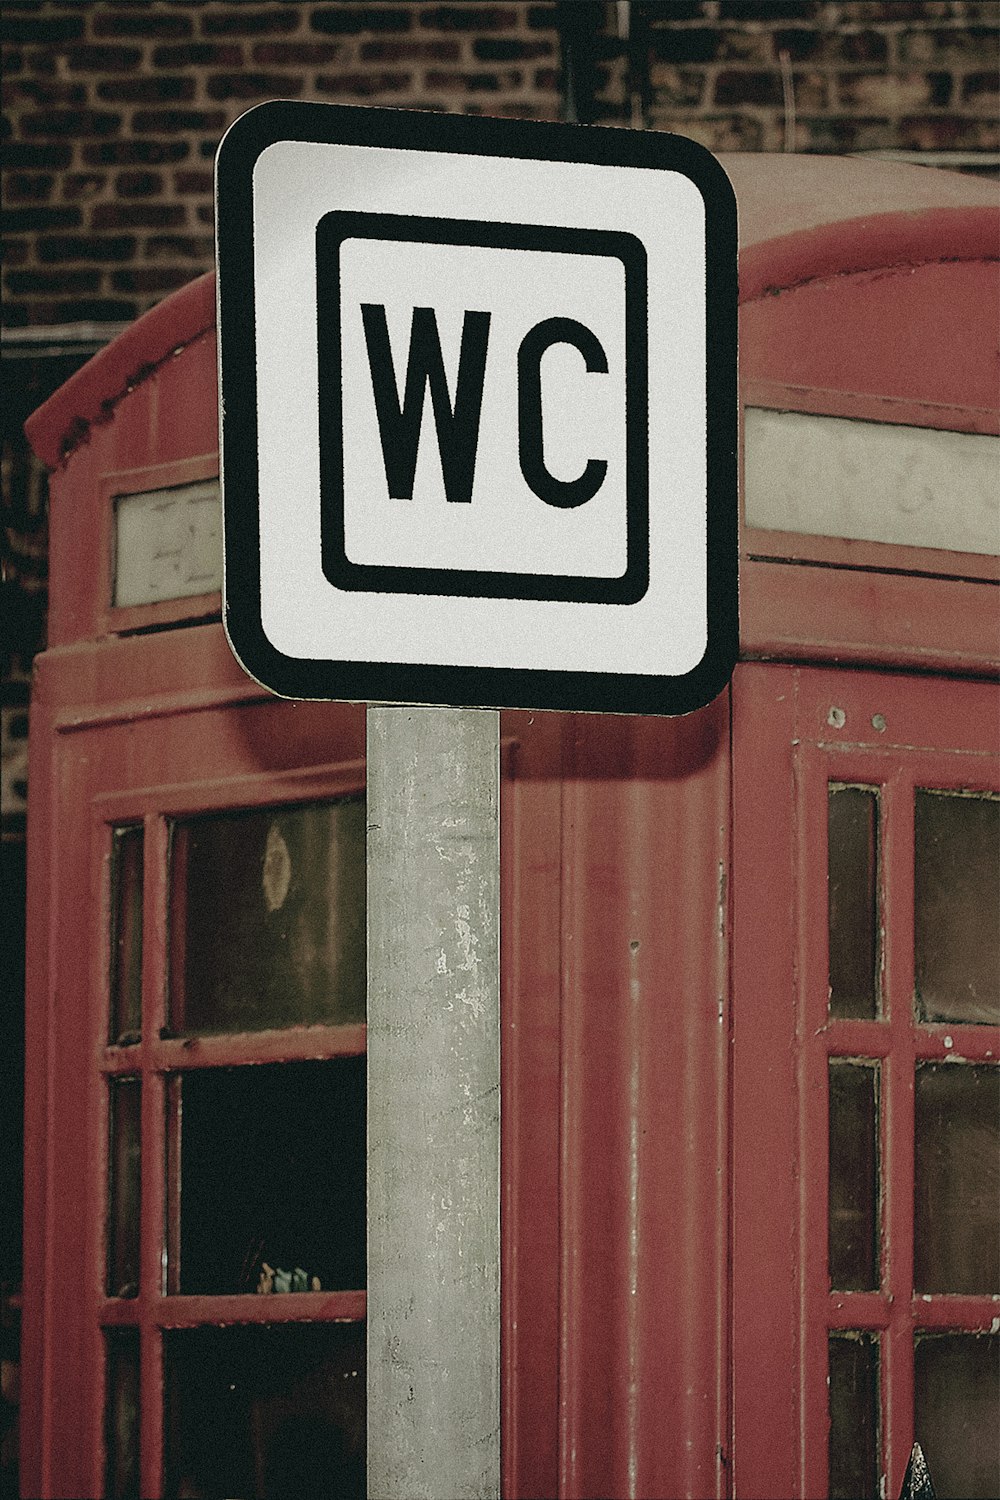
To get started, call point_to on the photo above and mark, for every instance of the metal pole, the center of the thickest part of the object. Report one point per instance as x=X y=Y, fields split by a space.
x=433 y=1104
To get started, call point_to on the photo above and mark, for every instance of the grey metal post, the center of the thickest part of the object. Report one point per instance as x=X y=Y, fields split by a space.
x=433 y=1104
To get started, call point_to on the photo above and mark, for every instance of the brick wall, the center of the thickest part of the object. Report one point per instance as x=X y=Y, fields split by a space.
x=114 y=108
x=858 y=75
x=113 y=112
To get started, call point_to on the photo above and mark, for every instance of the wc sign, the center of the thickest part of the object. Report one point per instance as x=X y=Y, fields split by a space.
x=478 y=388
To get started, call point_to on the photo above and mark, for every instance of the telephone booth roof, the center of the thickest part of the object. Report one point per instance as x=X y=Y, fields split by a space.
x=805 y=222
x=868 y=354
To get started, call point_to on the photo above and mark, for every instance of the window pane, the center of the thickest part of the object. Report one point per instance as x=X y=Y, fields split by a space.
x=854 y=1169
x=123 y=1188
x=852 y=823
x=956 y=1210
x=126 y=934
x=122 y=1414
x=957 y=907
x=272 y=1172
x=268 y=1411
x=267 y=918
x=957 y=1413
x=854 y=1424
x=168 y=543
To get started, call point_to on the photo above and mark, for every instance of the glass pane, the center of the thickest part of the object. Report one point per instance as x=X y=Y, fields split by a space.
x=272 y=1175
x=168 y=543
x=267 y=918
x=854 y=1424
x=852 y=823
x=126 y=934
x=123 y=1188
x=854 y=1170
x=956 y=1205
x=122 y=1415
x=957 y=1413
x=268 y=1411
x=956 y=913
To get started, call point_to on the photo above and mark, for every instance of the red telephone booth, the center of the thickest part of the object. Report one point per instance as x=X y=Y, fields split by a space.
x=750 y=966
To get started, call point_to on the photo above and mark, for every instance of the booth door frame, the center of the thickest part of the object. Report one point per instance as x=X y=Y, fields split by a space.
x=796 y=729
x=98 y=768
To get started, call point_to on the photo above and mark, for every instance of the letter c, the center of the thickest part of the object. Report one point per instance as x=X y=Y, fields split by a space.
x=563 y=493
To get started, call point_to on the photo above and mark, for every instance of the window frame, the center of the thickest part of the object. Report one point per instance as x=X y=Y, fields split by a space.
x=156 y=1059
x=787 y=750
x=123 y=731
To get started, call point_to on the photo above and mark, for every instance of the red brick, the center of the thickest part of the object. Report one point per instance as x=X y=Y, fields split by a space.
x=863 y=47
x=91 y=59
x=139 y=216
x=802 y=43
x=766 y=10
x=891 y=93
x=967 y=44
x=948 y=133
x=468 y=17
x=194 y=182
x=41 y=283
x=42 y=60
x=56 y=247
x=158 y=89
x=25 y=187
x=15 y=253
x=296 y=54
x=138 y=184
x=146 y=121
x=184 y=246
x=83 y=184
x=72 y=122
x=684 y=44
x=362 y=85
x=253 y=86
x=347 y=20
x=835 y=134
x=410 y=51
x=510 y=49
x=43 y=29
x=37 y=92
x=140 y=23
x=39 y=218
x=485 y=83
x=199 y=54
x=894 y=10
x=752 y=87
x=249 y=22
x=980 y=90
x=30 y=154
x=131 y=152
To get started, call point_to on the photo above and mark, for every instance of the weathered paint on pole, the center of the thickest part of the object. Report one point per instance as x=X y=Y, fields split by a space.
x=433 y=1104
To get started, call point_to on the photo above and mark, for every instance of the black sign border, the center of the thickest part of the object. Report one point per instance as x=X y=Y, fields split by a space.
x=465 y=686
x=630 y=586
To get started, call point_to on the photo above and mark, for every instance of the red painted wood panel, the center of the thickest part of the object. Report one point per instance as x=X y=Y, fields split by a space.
x=643 y=1256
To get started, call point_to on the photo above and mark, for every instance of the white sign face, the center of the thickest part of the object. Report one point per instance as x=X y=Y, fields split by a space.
x=479 y=411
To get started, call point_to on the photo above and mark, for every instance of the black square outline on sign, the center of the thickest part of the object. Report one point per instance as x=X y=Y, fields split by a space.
x=340 y=225
x=413 y=681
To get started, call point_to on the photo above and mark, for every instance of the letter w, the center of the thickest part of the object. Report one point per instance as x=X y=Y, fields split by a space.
x=457 y=426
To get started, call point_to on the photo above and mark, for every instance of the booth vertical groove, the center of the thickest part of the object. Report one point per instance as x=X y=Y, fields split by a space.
x=433 y=1104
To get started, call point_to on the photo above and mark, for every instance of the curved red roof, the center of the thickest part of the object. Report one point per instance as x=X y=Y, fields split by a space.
x=801 y=218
